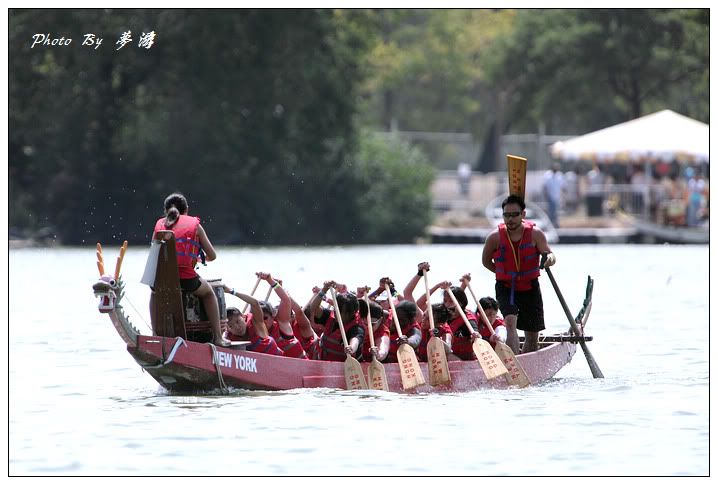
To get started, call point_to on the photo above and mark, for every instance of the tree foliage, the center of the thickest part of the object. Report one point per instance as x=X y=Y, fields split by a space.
x=250 y=113
x=582 y=69
x=426 y=73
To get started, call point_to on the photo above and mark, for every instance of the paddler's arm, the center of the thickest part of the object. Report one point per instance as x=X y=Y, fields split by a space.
x=355 y=337
x=409 y=289
x=413 y=337
x=304 y=326
x=207 y=247
x=383 y=348
x=316 y=300
x=539 y=239
x=284 y=311
x=490 y=246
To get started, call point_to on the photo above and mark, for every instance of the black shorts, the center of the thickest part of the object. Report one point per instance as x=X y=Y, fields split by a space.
x=528 y=305
x=190 y=284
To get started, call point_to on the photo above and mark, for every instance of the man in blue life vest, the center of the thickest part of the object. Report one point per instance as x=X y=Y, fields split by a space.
x=513 y=252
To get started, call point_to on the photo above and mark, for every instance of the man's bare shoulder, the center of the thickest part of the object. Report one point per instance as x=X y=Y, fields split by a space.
x=492 y=238
x=494 y=234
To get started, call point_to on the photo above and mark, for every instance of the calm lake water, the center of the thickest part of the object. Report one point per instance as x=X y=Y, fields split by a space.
x=80 y=405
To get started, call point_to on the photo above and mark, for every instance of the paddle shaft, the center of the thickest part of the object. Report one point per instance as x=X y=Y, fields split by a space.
x=411 y=375
x=428 y=302
x=246 y=305
x=393 y=311
x=461 y=311
x=352 y=369
x=517 y=374
x=370 y=329
x=377 y=374
x=481 y=310
x=592 y=364
x=339 y=318
x=485 y=354
x=438 y=365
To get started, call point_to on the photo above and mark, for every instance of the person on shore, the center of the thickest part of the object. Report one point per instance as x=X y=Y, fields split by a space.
x=248 y=327
x=553 y=186
x=463 y=175
x=513 y=251
x=192 y=243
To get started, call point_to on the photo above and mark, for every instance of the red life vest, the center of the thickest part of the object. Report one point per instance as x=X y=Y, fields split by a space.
x=485 y=331
x=331 y=343
x=290 y=346
x=262 y=345
x=522 y=267
x=460 y=340
x=421 y=353
x=458 y=326
x=393 y=346
x=378 y=334
x=186 y=241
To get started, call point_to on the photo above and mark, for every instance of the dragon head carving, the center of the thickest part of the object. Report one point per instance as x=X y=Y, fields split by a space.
x=108 y=287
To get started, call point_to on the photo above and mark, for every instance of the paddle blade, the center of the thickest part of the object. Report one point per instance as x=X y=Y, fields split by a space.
x=517 y=175
x=488 y=360
x=516 y=375
x=411 y=375
x=377 y=376
x=353 y=374
x=438 y=366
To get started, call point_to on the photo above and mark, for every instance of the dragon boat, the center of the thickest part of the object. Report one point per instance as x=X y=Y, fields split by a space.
x=179 y=354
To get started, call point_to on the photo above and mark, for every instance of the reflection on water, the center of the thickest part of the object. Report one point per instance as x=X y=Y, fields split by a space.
x=79 y=405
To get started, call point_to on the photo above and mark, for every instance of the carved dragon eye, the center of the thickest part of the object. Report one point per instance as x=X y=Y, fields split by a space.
x=112 y=282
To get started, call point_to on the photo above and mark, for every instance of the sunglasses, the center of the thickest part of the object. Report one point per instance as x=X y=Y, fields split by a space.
x=508 y=215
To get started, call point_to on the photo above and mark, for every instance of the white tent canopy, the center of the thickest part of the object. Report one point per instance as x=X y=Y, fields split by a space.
x=662 y=136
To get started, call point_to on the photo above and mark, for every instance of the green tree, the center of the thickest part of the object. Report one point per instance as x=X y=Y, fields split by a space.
x=426 y=73
x=579 y=70
x=395 y=179
x=249 y=112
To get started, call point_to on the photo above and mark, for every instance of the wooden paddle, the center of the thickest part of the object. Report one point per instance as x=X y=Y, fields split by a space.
x=352 y=368
x=516 y=375
x=517 y=175
x=411 y=375
x=488 y=360
x=377 y=374
x=435 y=352
x=592 y=364
x=246 y=305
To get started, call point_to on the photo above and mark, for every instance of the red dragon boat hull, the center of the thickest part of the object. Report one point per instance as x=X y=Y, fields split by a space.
x=179 y=359
x=184 y=366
